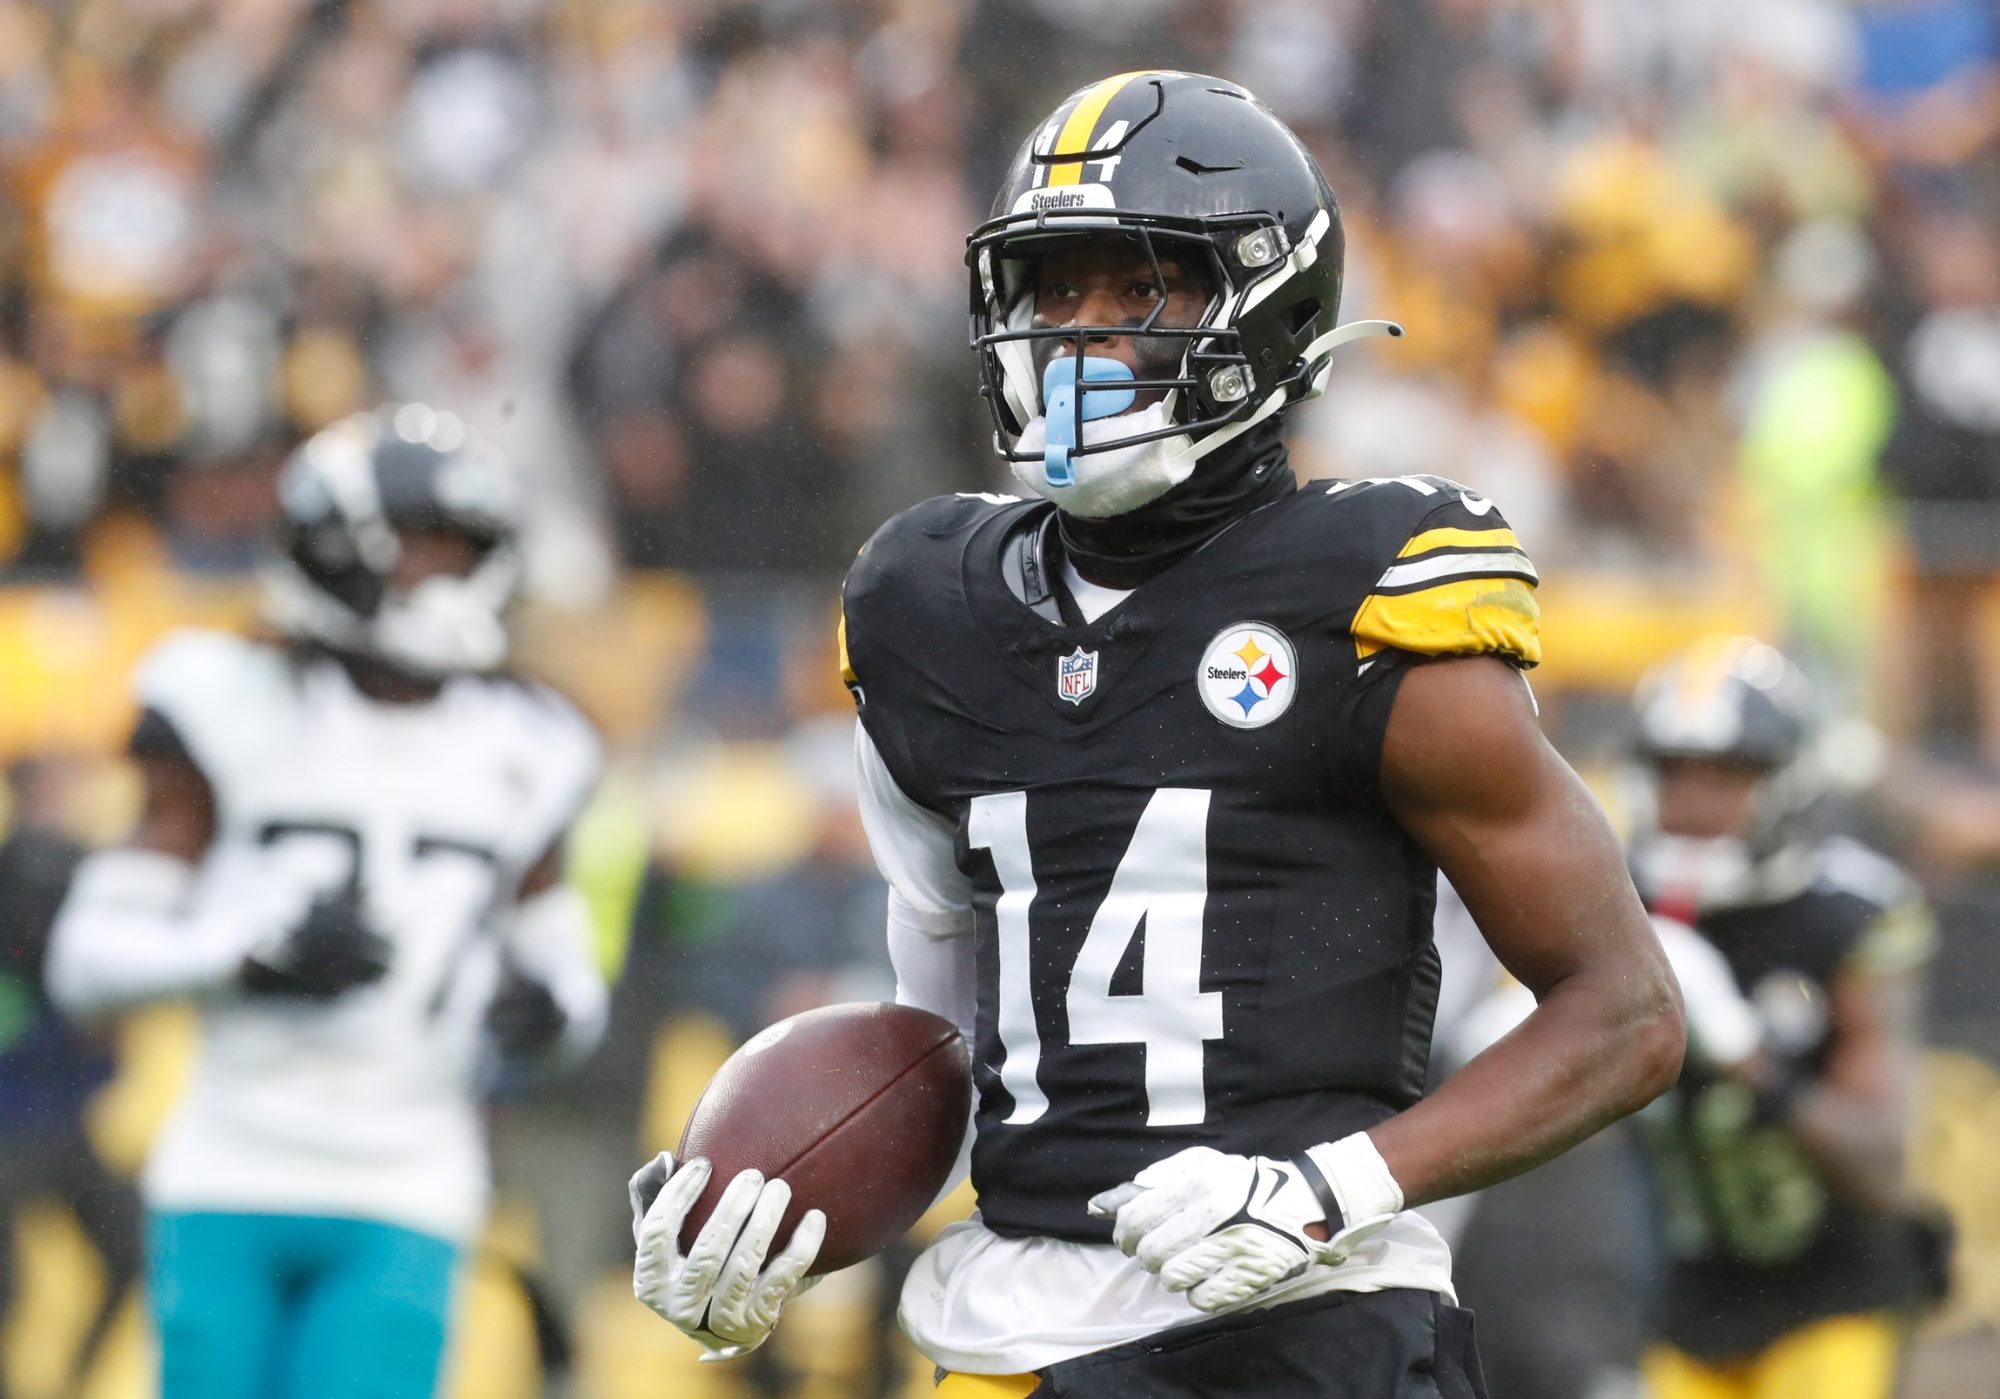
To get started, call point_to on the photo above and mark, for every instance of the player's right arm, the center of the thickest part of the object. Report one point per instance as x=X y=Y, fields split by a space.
x=1849 y=1114
x=723 y=1290
x=930 y=908
x=129 y=931
x=140 y=923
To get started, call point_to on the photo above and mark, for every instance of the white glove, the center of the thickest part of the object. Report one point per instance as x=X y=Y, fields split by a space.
x=1724 y=1029
x=1223 y=1228
x=721 y=1293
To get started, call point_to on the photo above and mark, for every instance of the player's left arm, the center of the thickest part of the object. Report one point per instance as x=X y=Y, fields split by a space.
x=1464 y=769
x=552 y=1001
x=1467 y=773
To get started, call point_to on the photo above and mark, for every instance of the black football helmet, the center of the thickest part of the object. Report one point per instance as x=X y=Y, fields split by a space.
x=350 y=496
x=1171 y=162
x=1736 y=700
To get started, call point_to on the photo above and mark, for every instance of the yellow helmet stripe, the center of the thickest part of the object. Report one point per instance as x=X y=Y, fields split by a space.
x=1074 y=139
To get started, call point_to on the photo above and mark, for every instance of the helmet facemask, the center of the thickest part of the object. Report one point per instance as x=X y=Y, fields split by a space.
x=1742 y=706
x=1129 y=436
x=449 y=623
x=1180 y=166
x=1768 y=858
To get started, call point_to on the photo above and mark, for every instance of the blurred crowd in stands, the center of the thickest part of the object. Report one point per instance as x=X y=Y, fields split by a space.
x=1699 y=291
x=1707 y=294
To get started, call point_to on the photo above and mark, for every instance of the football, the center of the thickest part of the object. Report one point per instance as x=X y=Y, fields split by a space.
x=861 y=1108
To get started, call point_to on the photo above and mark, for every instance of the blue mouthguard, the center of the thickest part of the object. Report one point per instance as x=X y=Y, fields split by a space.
x=1059 y=390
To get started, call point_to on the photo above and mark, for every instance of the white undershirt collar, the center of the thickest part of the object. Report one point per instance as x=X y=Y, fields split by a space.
x=1091 y=599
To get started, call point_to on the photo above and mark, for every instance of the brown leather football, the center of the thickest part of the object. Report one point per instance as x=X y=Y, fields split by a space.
x=861 y=1108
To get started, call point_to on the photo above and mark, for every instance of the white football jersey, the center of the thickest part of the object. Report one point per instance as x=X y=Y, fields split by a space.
x=366 y=1105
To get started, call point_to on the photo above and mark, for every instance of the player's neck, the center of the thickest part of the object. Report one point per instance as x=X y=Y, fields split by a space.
x=386 y=685
x=378 y=681
x=1124 y=551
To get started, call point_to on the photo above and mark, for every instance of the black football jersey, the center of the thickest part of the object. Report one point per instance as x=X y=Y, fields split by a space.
x=1761 y=1246
x=1195 y=921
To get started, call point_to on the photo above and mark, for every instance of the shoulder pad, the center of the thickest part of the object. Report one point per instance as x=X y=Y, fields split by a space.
x=1849 y=867
x=912 y=558
x=539 y=734
x=1893 y=931
x=906 y=537
x=214 y=688
x=193 y=665
x=564 y=728
x=572 y=754
x=1454 y=580
x=556 y=731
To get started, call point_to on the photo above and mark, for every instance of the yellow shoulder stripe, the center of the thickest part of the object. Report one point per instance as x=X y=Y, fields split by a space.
x=1468 y=617
x=1081 y=124
x=847 y=675
x=955 y=1385
x=1460 y=538
x=1900 y=941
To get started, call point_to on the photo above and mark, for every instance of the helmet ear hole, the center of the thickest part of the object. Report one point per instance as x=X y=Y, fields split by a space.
x=1299 y=319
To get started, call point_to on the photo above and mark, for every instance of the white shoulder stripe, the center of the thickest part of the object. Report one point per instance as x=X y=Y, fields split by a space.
x=1853 y=868
x=1511 y=563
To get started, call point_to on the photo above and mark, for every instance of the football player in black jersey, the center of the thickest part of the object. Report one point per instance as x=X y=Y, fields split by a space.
x=1161 y=764
x=1780 y=1153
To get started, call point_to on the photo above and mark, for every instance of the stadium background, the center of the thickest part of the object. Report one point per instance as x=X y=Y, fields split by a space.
x=1707 y=294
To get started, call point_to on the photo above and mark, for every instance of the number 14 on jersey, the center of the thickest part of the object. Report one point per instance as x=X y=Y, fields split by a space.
x=1162 y=883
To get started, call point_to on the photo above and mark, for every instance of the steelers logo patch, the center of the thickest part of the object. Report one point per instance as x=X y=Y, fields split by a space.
x=1248 y=675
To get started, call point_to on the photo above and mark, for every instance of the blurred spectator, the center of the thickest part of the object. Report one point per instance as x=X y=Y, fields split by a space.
x=49 y=1071
x=1944 y=460
x=812 y=935
x=698 y=266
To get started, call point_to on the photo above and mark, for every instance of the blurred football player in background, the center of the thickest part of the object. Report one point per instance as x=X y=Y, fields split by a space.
x=1796 y=1256
x=1161 y=766
x=349 y=857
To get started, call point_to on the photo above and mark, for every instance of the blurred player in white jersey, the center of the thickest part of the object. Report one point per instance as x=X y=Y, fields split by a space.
x=349 y=857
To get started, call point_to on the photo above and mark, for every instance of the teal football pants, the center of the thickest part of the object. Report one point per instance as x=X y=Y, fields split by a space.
x=277 y=1306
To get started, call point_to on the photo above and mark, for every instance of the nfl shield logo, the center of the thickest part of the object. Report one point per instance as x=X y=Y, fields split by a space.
x=1076 y=675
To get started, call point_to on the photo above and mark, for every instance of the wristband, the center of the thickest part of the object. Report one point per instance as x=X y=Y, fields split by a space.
x=1358 y=1177
x=1329 y=1203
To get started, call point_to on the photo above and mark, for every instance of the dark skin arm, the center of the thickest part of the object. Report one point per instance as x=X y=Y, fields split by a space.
x=178 y=814
x=1467 y=772
x=1852 y=1123
x=546 y=872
